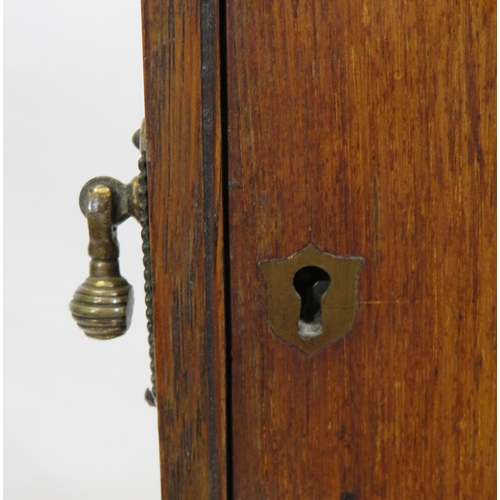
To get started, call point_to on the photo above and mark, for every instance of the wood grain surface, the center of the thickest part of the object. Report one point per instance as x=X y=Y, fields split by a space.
x=181 y=68
x=368 y=129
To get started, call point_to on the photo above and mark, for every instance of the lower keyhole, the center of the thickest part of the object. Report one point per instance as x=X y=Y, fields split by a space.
x=311 y=283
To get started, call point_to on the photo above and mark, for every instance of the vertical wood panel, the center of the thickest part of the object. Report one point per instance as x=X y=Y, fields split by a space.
x=368 y=129
x=183 y=126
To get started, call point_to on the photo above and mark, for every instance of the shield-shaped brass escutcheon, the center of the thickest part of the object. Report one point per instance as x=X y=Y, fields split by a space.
x=336 y=297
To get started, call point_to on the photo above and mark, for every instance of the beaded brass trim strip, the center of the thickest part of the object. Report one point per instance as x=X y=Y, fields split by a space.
x=139 y=140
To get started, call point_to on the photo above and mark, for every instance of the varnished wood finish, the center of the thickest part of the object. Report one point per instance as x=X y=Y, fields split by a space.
x=183 y=128
x=368 y=129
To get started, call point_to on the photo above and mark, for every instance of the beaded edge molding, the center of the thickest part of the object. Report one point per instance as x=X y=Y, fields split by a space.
x=139 y=140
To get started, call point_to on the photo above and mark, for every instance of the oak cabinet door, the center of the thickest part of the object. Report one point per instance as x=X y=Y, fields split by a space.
x=316 y=130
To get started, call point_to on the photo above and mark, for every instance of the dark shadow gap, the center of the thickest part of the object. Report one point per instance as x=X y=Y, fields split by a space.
x=226 y=239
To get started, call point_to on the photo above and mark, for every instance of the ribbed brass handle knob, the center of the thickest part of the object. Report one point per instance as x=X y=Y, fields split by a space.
x=102 y=304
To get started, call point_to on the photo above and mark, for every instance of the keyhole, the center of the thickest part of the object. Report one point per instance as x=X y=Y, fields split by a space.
x=311 y=283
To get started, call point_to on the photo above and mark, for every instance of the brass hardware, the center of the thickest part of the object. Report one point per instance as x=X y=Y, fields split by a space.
x=311 y=297
x=102 y=305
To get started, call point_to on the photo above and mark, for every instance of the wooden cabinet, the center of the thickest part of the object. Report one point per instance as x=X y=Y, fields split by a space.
x=364 y=129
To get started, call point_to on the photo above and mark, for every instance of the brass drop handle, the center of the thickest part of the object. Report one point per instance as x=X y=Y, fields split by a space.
x=102 y=304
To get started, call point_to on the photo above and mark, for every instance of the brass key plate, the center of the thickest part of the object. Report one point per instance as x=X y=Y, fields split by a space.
x=337 y=307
